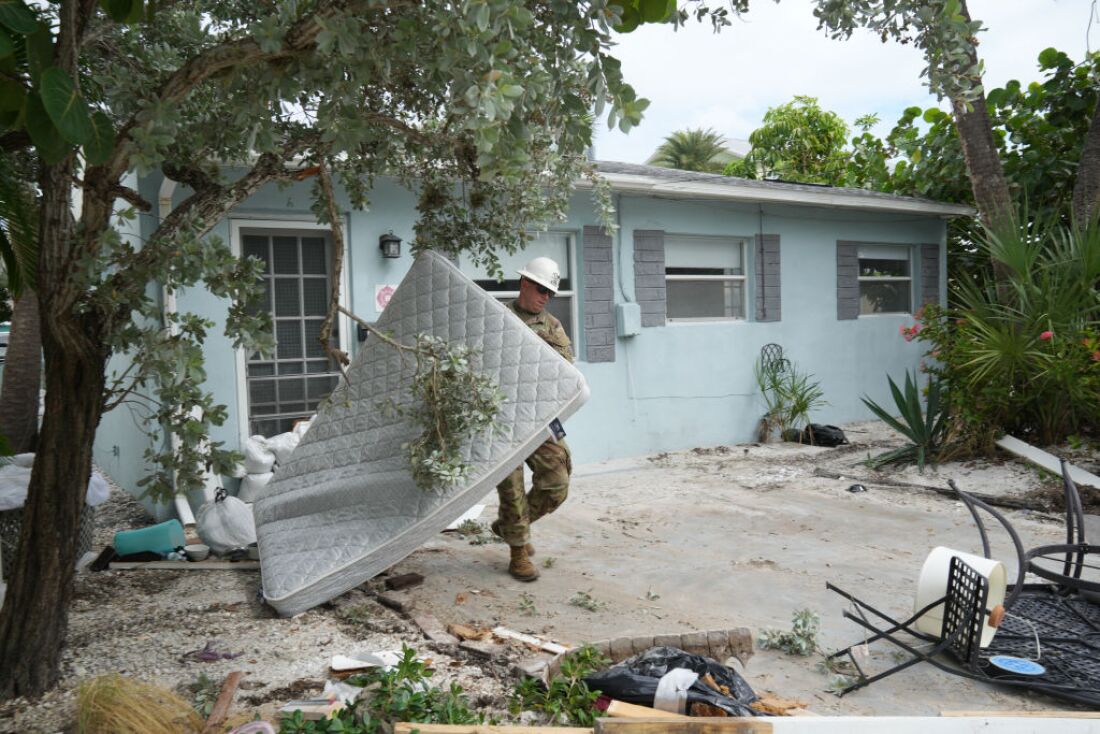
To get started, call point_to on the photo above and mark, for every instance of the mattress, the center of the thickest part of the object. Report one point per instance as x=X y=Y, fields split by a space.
x=345 y=507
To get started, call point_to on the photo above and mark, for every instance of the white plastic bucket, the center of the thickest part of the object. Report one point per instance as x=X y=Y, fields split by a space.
x=932 y=585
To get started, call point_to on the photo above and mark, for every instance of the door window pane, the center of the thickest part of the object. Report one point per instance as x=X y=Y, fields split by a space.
x=296 y=289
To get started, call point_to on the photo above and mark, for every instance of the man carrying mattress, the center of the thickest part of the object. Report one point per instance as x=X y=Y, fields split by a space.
x=550 y=463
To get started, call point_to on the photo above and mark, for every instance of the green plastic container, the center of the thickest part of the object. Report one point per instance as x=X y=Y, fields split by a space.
x=162 y=538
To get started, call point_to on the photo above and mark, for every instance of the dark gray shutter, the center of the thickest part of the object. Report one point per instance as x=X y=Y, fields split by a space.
x=599 y=316
x=847 y=280
x=929 y=274
x=649 y=275
x=766 y=265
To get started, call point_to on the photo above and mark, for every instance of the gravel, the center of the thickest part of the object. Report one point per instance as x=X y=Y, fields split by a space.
x=144 y=623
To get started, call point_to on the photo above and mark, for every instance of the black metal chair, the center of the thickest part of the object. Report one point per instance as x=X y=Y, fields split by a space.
x=1057 y=623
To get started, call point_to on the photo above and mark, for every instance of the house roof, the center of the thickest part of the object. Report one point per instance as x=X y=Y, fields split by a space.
x=670 y=183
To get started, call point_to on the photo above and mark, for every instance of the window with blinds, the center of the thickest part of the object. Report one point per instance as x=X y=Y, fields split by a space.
x=704 y=278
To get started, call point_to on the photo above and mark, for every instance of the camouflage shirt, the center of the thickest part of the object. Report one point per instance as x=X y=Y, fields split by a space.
x=546 y=326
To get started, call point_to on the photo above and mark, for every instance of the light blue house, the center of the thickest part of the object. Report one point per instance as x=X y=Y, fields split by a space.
x=668 y=313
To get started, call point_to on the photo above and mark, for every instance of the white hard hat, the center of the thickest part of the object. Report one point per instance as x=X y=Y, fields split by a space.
x=543 y=271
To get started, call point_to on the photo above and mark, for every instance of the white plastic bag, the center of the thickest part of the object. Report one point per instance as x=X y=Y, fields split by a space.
x=301 y=427
x=13 y=486
x=283 y=445
x=226 y=523
x=98 y=490
x=258 y=458
x=252 y=486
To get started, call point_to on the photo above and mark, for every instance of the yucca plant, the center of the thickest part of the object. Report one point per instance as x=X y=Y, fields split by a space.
x=926 y=428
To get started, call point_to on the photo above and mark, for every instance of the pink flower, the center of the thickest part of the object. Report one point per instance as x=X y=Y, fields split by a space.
x=916 y=328
x=935 y=353
x=1047 y=336
x=1096 y=356
x=902 y=330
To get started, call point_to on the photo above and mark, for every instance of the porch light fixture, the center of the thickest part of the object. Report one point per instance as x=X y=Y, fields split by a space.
x=390 y=245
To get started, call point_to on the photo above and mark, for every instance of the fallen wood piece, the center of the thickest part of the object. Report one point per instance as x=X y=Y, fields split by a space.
x=695 y=725
x=185 y=566
x=220 y=712
x=507 y=634
x=992 y=499
x=1026 y=714
x=624 y=710
x=466 y=632
x=407 y=727
x=404 y=581
x=1050 y=462
x=769 y=703
x=313 y=709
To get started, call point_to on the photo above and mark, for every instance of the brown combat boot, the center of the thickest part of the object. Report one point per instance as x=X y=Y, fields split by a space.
x=495 y=527
x=521 y=567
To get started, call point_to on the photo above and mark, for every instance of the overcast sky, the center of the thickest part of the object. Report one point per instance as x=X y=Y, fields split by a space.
x=727 y=81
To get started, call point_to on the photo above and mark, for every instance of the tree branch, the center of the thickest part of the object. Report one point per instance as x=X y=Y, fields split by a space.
x=1086 y=190
x=341 y=357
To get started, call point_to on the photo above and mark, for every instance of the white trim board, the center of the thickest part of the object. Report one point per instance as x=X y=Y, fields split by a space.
x=1047 y=461
x=243 y=221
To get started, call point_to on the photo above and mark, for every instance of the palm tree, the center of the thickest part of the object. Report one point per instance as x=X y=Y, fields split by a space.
x=19 y=258
x=693 y=150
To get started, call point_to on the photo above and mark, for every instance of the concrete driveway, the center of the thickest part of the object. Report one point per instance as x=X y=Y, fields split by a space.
x=725 y=537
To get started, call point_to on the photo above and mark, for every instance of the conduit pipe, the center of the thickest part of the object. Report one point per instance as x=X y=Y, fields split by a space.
x=168 y=299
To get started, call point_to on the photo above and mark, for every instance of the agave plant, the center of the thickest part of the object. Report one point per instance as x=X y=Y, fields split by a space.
x=926 y=428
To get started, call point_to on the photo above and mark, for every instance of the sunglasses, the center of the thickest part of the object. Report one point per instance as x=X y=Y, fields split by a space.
x=543 y=290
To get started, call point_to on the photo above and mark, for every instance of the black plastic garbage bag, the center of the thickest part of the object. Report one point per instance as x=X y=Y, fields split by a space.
x=635 y=680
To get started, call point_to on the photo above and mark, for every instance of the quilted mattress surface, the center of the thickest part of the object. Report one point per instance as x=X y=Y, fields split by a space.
x=345 y=507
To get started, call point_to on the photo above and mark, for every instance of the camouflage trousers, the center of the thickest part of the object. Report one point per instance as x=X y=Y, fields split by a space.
x=551 y=466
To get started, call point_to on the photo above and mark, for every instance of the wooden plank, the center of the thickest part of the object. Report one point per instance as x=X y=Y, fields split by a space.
x=551 y=647
x=1027 y=714
x=1050 y=462
x=185 y=566
x=694 y=725
x=220 y=712
x=405 y=727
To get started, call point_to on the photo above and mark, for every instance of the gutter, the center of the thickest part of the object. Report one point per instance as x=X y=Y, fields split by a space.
x=827 y=197
x=168 y=298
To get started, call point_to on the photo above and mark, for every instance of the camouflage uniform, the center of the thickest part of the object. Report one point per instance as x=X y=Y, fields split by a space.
x=550 y=464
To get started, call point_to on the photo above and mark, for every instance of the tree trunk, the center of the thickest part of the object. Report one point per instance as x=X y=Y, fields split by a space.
x=22 y=376
x=1086 y=190
x=35 y=615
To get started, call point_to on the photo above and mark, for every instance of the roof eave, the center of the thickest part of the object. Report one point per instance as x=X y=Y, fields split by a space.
x=827 y=197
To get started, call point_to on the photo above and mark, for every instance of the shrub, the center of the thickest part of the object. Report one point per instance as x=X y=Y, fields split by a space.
x=925 y=429
x=790 y=394
x=568 y=699
x=1022 y=355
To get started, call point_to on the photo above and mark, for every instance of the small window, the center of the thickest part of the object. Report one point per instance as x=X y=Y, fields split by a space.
x=704 y=278
x=555 y=245
x=885 y=279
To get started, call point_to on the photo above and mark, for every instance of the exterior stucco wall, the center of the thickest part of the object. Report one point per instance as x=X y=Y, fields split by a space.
x=669 y=387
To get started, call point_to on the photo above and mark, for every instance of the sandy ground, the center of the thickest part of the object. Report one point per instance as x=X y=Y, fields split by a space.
x=713 y=538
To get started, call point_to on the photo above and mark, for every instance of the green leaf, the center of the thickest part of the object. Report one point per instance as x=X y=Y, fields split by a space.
x=7 y=48
x=12 y=95
x=14 y=14
x=119 y=10
x=45 y=136
x=653 y=11
x=66 y=107
x=98 y=149
x=39 y=51
x=1048 y=58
